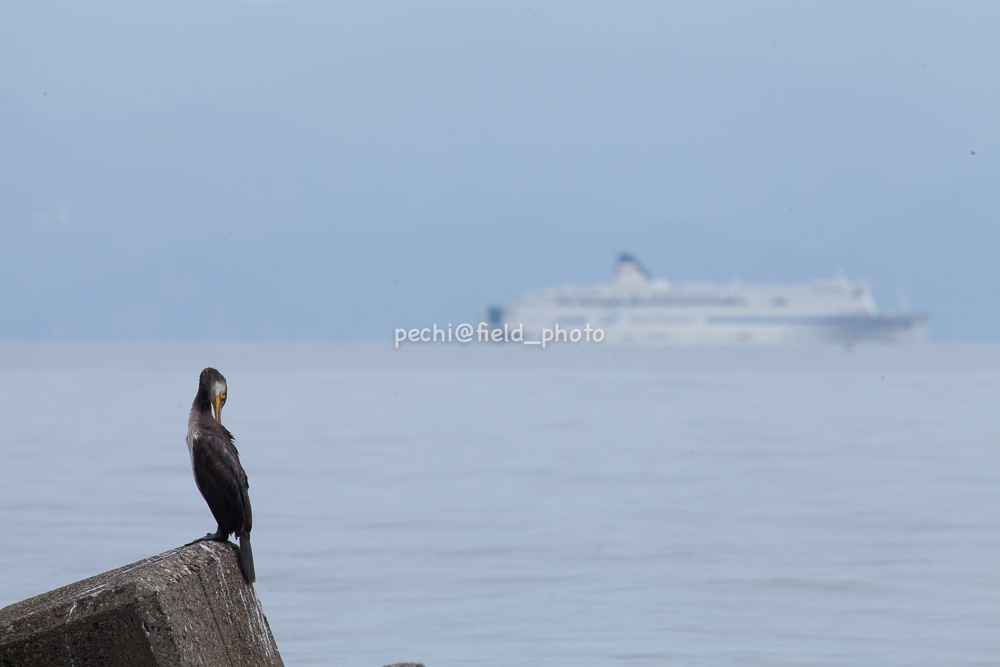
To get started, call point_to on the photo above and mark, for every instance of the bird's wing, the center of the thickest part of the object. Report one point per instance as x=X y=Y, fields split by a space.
x=220 y=479
x=236 y=461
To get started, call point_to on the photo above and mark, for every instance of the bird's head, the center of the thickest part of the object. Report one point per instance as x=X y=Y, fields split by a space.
x=213 y=384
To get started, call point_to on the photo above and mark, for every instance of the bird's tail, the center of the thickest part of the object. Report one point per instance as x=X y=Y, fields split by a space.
x=246 y=559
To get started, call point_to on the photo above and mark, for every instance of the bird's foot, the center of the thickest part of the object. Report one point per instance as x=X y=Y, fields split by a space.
x=211 y=537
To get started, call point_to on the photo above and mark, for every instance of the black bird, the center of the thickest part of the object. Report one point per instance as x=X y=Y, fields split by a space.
x=217 y=469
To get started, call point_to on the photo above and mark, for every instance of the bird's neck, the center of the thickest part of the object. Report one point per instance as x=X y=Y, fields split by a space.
x=202 y=403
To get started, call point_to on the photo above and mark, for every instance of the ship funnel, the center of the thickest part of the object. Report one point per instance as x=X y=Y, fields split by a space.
x=630 y=270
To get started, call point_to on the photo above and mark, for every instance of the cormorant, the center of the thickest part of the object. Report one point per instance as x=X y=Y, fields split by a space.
x=217 y=469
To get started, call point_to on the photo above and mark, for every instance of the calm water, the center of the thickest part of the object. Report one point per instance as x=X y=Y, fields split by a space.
x=484 y=506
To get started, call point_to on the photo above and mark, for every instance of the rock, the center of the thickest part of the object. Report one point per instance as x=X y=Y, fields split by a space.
x=189 y=606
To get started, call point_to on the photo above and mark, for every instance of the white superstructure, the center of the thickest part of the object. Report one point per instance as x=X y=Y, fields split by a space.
x=639 y=308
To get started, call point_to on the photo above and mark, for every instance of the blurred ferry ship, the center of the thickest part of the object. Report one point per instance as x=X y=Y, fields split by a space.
x=641 y=309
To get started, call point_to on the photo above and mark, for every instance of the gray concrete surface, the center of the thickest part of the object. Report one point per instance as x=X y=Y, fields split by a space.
x=189 y=606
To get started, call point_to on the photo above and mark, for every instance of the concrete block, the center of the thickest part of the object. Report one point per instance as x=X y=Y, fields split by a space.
x=189 y=606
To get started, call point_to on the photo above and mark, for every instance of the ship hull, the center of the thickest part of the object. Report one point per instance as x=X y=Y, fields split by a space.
x=733 y=330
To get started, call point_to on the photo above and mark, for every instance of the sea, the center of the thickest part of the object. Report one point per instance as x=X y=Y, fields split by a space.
x=508 y=505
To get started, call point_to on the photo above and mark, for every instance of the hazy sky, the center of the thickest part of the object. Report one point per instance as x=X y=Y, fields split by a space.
x=306 y=170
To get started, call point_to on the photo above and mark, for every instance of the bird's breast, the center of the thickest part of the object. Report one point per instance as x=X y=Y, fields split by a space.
x=191 y=435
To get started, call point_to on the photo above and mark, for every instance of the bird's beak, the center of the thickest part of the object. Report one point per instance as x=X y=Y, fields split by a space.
x=217 y=408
